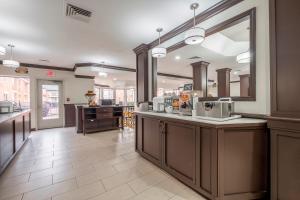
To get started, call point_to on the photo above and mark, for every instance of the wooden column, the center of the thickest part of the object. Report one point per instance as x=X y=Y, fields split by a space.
x=284 y=122
x=200 y=76
x=223 y=82
x=142 y=70
x=245 y=85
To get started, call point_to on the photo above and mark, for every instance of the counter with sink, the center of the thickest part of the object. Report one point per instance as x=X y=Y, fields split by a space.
x=14 y=132
x=220 y=160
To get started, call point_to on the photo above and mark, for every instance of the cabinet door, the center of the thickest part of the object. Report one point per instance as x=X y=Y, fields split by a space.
x=150 y=138
x=180 y=151
x=6 y=141
x=26 y=125
x=18 y=132
x=285 y=157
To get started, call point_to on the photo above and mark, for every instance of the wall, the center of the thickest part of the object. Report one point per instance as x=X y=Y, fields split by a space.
x=73 y=88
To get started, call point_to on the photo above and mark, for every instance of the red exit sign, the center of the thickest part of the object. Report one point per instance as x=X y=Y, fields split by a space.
x=50 y=73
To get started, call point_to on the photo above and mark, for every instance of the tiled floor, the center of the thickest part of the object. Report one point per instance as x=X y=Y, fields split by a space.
x=59 y=164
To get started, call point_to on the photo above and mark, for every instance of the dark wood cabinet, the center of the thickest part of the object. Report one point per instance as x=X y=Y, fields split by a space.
x=229 y=162
x=95 y=119
x=150 y=136
x=180 y=153
x=285 y=159
x=27 y=125
x=14 y=131
x=285 y=120
x=6 y=142
x=18 y=132
x=70 y=115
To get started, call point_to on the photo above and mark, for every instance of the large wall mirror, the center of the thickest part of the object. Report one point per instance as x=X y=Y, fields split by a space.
x=221 y=66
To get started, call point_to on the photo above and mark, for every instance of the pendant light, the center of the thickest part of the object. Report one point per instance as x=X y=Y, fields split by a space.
x=11 y=63
x=194 y=35
x=2 y=51
x=243 y=57
x=159 y=52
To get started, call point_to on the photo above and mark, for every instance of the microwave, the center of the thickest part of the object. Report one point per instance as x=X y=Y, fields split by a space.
x=6 y=107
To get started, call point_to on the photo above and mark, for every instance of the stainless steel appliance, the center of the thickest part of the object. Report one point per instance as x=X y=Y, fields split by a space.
x=6 y=107
x=223 y=108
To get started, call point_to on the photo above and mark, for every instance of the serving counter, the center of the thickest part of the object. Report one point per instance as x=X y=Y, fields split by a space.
x=14 y=131
x=220 y=160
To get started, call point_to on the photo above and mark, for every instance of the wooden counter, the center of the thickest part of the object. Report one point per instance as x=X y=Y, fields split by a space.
x=14 y=131
x=220 y=160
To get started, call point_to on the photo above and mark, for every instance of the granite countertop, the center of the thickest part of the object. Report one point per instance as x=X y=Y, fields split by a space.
x=8 y=116
x=240 y=121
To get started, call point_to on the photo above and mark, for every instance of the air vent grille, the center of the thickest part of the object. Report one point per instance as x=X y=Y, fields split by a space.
x=78 y=13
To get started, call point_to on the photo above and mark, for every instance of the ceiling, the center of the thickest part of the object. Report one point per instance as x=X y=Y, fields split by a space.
x=219 y=49
x=40 y=30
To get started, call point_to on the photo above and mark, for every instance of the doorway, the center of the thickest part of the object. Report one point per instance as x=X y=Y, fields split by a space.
x=49 y=104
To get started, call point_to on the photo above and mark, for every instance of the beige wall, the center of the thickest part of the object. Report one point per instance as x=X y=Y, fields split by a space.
x=74 y=88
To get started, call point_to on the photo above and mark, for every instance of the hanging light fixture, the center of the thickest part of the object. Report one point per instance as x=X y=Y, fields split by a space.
x=194 y=35
x=11 y=63
x=2 y=50
x=244 y=57
x=159 y=52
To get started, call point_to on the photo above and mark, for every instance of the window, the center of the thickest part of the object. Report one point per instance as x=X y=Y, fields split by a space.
x=130 y=93
x=120 y=96
x=108 y=93
x=16 y=89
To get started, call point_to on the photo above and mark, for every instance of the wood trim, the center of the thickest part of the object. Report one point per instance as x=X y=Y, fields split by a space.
x=100 y=85
x=77 y=65
x=43 y=67
x=210 y=12
x=86 y=77
x=174 y=76
x=154 y=77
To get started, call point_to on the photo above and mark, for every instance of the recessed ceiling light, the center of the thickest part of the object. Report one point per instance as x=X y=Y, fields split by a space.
x=177 y=57
x=103 y=74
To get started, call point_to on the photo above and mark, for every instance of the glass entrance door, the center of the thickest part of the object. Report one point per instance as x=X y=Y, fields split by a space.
x=49 y=104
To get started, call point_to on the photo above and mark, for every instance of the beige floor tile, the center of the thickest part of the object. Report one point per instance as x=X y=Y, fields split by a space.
x=52 y=190
x=61 y=164
x=145 y=182
x=121 y=178
x=6 y=182
x=18 y=197
x=120 y=193
x=85 y=192
x=24 y=187
x=131 y=155
x=154 y=194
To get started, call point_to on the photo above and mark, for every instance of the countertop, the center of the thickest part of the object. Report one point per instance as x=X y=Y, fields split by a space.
x=230 y=123
x=8 y=116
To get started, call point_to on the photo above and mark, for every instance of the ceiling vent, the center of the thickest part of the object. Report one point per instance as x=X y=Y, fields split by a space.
x=78 y=13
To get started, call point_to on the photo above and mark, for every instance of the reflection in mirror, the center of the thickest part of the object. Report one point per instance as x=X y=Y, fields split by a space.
x=167 y=86
x=221 y=65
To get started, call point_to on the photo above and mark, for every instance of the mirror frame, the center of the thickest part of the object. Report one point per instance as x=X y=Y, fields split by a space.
x=251 y=15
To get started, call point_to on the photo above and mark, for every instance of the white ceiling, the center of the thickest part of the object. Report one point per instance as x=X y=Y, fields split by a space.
x=39 y=29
